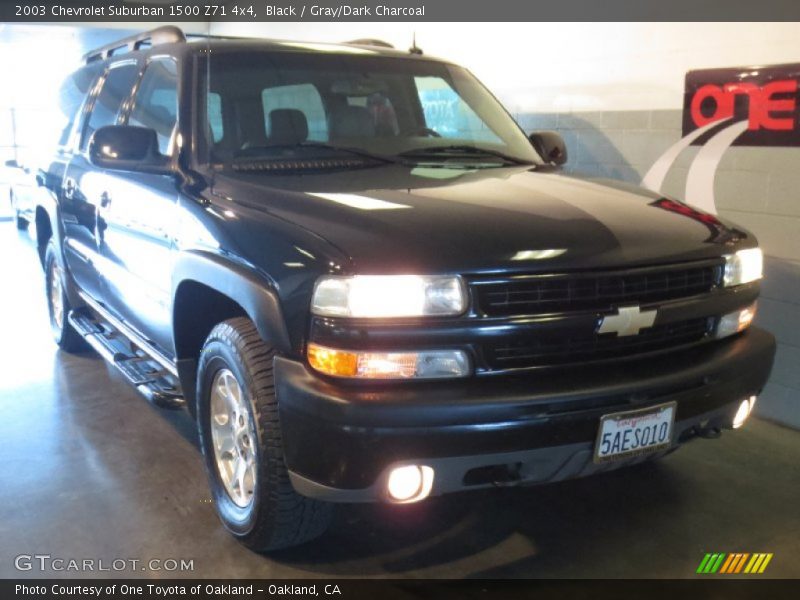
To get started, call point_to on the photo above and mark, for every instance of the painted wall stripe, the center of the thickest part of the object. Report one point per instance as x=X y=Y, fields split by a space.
x=726 y=565
x=718 y=562
x=703 y=171
x=703 y=563
x=654 y=178
x=753 y=560
x=732 y=568
x=710 y=563
x=764 y=564
x=741 y=562
x=761 y=556
x=734 y=563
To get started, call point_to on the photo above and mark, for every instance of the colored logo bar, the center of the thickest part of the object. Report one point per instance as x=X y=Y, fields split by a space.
x=736 y=562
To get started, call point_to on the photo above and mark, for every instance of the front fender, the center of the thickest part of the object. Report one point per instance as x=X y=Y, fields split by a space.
x=255 y=294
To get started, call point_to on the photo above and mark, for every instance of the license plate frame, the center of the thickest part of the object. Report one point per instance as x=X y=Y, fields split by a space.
x=654 y=413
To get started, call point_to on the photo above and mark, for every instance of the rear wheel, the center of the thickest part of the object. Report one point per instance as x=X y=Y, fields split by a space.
x=240 y=437
x=58 y=305
x=20 y=221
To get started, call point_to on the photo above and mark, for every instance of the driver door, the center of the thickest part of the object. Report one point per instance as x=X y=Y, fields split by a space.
x=137 y=216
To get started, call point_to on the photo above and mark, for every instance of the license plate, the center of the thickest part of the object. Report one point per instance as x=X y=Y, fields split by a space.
x=636 y=432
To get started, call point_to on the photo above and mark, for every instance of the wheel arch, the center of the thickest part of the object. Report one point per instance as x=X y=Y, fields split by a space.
x=209 y=289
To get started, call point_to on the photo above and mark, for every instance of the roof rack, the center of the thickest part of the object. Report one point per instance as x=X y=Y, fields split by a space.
x=162 y=35
x=369 y=42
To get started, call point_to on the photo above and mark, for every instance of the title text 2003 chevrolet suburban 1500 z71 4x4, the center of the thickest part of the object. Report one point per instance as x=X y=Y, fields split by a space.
x=367 y=284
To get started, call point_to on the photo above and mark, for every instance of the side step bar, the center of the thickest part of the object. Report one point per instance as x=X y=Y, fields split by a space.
x=141 y=366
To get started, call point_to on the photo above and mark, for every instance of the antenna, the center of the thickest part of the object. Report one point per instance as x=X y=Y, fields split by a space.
x=414 y=48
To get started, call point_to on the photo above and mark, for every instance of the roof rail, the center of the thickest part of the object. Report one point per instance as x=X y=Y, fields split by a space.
x=162 y=35
x=369 y=42
x=207 y=36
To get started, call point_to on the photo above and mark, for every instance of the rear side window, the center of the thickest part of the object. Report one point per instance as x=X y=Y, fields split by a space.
x=156 y=102
x=214 y=107
x=303 y=97
x=115 y=88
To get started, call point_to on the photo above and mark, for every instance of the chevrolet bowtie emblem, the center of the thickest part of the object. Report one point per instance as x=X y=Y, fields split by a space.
x=629 y=321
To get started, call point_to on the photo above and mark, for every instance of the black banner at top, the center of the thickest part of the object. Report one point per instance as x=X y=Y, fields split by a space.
x=66 y=11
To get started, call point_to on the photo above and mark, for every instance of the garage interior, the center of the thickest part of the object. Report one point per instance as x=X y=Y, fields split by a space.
x=88 y=468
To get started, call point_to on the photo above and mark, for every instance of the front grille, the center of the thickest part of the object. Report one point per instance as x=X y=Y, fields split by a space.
x=594 y=291
x=551 y=349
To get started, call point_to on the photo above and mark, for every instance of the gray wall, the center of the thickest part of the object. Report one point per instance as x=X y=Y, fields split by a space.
x=759 y=188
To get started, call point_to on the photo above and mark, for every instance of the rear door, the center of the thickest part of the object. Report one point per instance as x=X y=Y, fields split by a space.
x=81 y=196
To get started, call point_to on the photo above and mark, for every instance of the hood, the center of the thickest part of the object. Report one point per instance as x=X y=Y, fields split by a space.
x=396 y=219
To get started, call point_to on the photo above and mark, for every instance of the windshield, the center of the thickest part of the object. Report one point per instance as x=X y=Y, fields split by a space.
x=267 y=105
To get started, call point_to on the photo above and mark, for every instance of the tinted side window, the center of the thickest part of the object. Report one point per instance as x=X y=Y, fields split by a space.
x=116 y=88
x=156 y=103
x=214 y=107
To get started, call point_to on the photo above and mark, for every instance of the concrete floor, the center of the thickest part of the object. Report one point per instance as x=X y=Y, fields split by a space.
x=88 y=469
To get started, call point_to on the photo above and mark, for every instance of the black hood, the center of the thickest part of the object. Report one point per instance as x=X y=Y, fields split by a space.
x=396 y=219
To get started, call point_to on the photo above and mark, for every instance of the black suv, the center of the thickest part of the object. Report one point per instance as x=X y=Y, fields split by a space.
x=368 y=284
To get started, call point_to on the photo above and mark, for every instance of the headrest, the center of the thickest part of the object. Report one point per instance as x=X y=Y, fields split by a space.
x=351 y=121
x=287 y=126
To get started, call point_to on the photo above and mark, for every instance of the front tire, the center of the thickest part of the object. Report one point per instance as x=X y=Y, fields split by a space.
x=240 y=437
x=58 y=305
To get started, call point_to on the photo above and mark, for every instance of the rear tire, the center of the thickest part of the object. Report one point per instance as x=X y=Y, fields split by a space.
x=58 y=306
x=20 y=221
x=240 y=432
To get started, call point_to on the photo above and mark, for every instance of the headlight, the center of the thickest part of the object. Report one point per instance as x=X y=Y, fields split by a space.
x=375 y=296
x=743 y=267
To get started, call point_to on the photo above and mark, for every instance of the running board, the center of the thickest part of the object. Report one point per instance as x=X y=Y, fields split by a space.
x=138 y=365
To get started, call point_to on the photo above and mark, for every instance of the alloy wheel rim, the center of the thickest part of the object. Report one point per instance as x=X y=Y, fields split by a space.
x=56 y=296
x=233 y=438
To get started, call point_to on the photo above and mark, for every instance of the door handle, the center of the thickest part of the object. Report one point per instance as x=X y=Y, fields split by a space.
x=105 y=199
x=69 y=188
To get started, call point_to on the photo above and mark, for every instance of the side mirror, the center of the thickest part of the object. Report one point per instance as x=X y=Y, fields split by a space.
x=127 y=148
x=12 y=164
x=550 y=146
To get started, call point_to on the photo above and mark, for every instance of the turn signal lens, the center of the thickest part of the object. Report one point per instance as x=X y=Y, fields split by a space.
x=429 y=364
x=332 y=362
x=736 y=321
x=743 y=267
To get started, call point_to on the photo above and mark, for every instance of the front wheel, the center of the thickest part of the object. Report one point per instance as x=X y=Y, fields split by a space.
x=240 y=436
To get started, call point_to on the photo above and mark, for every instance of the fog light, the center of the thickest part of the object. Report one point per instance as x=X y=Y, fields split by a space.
x=428 y=364
x=745 y=408
x=736 y=321
x=409 y=483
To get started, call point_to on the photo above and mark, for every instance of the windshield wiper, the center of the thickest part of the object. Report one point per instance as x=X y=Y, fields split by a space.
x=458 y=149
x=313 y=145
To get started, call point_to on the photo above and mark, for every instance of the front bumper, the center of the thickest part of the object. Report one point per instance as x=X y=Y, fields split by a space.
x=340 y=440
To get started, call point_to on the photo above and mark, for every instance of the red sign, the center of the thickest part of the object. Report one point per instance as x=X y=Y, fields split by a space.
x=767 y=97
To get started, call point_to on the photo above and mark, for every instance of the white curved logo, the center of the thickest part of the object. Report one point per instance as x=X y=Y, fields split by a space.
x=703 y=172
x=750 y=106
